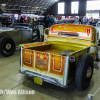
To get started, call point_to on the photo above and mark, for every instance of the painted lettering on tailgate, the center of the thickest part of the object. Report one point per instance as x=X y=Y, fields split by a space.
x=41 y=61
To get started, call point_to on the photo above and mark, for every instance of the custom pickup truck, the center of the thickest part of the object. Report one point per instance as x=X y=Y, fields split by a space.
x=68 y=52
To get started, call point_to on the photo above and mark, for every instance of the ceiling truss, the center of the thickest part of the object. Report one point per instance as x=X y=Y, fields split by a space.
x=27 y=6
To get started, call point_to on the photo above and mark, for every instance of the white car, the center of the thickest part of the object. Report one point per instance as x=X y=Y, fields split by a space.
x=12 y=37
x=98 y=29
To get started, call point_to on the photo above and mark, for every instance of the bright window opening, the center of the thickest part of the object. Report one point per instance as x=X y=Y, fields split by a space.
x=93 y=5
x=74 y=7
x=61 y=7
x=94 y=15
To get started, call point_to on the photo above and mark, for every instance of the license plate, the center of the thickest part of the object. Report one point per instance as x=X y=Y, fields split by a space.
x=38 y=80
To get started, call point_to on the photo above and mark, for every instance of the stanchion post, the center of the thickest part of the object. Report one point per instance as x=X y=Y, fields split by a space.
x=90 y=97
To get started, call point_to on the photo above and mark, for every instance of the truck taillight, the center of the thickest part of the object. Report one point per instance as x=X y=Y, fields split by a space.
x=88 y=31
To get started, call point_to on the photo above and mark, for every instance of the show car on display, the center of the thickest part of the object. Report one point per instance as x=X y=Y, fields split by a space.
x=98 y=28
x=10 y=38
x=68 y=52
x=68 y=20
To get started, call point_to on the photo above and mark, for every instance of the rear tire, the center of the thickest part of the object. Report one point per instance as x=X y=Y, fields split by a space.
x=7 y=46
x=84 y=71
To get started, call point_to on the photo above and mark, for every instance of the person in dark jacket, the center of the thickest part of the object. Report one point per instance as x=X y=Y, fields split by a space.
x=80 y=20
x=53 y=21
x=21 y=19
x=91 y=21
x=46 y=21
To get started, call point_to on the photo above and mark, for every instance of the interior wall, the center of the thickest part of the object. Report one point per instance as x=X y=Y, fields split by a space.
x=82 y=8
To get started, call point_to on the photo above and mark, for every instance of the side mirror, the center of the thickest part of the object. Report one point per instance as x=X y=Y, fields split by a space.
x=46 y=31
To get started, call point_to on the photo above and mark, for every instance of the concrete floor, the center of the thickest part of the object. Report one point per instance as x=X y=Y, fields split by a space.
x=10 y=78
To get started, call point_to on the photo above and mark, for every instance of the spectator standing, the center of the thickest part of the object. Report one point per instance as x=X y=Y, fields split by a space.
x=76 y=20
x=28 y=19
x=80 y=20
x=84 y=20
x=91 y=21
x=87 y=20
x=52 y=19
x=46 y=21
x=21 y=19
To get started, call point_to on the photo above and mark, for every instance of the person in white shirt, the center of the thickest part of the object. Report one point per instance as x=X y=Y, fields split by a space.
x=84 y=20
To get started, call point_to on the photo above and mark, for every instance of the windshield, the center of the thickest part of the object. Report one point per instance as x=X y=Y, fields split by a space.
x=68 y=34
x=84 y=32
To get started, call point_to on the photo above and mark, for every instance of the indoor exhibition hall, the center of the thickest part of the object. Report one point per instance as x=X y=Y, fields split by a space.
x=50 y=49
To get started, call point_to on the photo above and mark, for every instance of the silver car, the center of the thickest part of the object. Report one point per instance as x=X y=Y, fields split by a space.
x=11 y=37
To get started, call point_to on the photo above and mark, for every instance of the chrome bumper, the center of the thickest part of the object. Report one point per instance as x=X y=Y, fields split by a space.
x=43 y=78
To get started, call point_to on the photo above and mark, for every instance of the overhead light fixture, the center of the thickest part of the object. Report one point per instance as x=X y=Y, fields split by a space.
x=3 y=4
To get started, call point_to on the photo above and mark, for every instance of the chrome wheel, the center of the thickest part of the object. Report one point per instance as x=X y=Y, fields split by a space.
x=89 y=72
x=8 y=46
